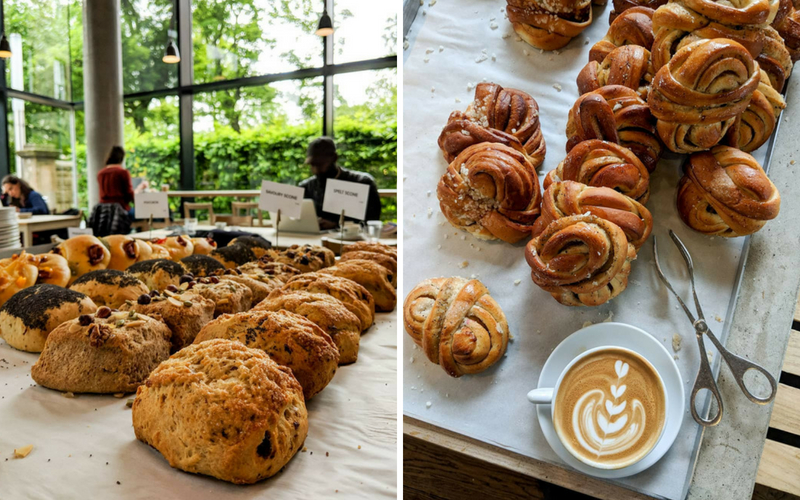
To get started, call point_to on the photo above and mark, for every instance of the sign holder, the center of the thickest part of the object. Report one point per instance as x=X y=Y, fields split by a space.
x=150 y=224
x=341 y=233
x=277 y=226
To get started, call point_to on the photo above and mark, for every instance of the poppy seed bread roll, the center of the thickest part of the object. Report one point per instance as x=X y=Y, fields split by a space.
x=157 y=274
x=108 y=287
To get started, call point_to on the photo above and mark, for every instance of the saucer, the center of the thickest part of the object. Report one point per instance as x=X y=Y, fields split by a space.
x=635 y=339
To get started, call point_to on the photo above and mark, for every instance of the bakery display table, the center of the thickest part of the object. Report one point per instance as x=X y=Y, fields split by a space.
x=86 y=443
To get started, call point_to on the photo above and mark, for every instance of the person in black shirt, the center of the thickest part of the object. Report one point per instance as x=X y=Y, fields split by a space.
x=321 y=157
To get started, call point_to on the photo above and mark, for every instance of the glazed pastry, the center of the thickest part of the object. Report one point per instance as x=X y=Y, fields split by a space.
x=53 y=269
x=184 y=312
x=621 y=6
x=390 y=263
x=30 y=315
x=745 y=12
x=504 y=116
x=458 y=325
x=628 y=66
x=204 y=246
x=355 y=297
x=326 y=312
x=491 y=191
x=229 y=297
x=105 y=352
x=759 y=119
x=604 y=164
x=372 y=276
x=701 y=92
x=84 y=253
x=549 y=25
x=725 y=192
x=787 y=23
x=289 y=339
x=366 y=246
x=566 y=198
x=157 y=274
x=582 y=260
x=17 y=273
x=277 y=270
x=257 y=244
x=177 y=246
x=244 y=437
x=150 y=251
x=633 y=27
x=124 y=251
x=202 y=265
x=233 y=255
x=615 y=114
x=109 y=287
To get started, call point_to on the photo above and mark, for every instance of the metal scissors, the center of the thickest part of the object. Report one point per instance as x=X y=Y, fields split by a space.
x=737 y=364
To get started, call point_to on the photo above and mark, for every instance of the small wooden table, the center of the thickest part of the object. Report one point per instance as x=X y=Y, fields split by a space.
x=45 y=223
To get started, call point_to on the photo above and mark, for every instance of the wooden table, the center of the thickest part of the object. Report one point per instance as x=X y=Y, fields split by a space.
x=45 y=223
x=246 y=193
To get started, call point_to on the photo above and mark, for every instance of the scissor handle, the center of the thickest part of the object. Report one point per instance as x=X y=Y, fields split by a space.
x=705 y=380
x=739 y=366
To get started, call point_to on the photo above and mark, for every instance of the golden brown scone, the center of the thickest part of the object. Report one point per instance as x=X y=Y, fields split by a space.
x=306 y=258
x=278 y=270
x=84 y=253
x=204 y=246
x=260 y=285
x=228 y=296
x=177 y=246
x=390 y=263
x=124 y=251
x=366 y=246
x=17 y=273
x=256 y=244
x=184 y=312
x=201 y=265
x=457 y=324
x=157 y=274
x=233 y=255
x=109 y=287
x=53 y=270
x=105 y=352
x=236 y=414
x=30 y=315
x=326 y=312
x=372 y=276
x=354 y=296
x=288 y=338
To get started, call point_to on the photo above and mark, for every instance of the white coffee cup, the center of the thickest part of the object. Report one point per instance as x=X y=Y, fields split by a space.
x=547 y=395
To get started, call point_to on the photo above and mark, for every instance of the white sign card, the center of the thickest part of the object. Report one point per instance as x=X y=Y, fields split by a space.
x=276 y=196
x=151 y=204
x=75 y=231
x=348 y=196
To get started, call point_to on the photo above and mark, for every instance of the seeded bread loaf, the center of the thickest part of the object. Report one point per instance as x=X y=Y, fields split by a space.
x=257 y=244
x=157 y=274
x=233 y=255
x=108 y=287
x=202 y=265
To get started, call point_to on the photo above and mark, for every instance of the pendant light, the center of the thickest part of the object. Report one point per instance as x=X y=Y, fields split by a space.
x=171 y=54
x=325 y=26
x=5 y=47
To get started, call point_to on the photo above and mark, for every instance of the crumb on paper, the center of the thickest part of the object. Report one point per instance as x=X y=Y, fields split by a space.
x=525 y=52
x=405 y=44
x=429 y=50
x=430 y=212
x=610 y=317
x=69 y=395
x=411 y=359
x=429 y=193
x=791 y=162
x=719 y=320
x=493 y=25
x=426 y=59
x=441 y=48
x=676 y=342
x=586 y=323
x=428 y=404
x=447 y=394
x=359 y=447
x=517 y=282
x=304 y=449
x=557 y=86
x=439 y=247
x=458 y=100
x=23 y=452
x=433 y=89
x=430 y=4
x=463 y=264
x=119 y=395
x=506 y=35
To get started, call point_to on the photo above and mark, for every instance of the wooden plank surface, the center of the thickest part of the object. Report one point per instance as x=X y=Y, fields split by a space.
x=791 y=363
x=797 y=310
x=786 y=411
x=779 y=467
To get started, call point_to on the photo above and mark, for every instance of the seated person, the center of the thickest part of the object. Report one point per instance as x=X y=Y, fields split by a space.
x=321 y=157
x=20 y=194
x=114 y=181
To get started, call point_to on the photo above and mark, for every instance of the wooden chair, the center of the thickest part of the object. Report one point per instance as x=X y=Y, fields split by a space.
x=189 y=206
x=247 y=219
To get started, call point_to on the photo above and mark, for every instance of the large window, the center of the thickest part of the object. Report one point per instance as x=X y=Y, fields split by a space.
x=256 y=85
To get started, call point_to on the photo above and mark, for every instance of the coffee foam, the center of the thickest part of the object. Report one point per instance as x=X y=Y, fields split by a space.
x=610 y=408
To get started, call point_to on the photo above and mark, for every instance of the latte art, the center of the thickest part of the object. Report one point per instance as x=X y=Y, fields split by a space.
x=610 y=408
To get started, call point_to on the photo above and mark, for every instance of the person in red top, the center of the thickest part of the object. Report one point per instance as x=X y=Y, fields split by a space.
x=114 y=181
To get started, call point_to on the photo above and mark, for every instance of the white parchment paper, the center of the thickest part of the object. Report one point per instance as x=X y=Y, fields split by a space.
x=83 y=446
x=452 y=35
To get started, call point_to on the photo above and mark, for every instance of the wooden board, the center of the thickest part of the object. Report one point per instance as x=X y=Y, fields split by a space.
x=786 y=411
x=791 y=363
x=779 y=467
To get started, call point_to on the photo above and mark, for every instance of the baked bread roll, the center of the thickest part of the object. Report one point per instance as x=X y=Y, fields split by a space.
x=53 y=269
x=184 y=312
x=759 y=119
x=256 y=244
x=306 y=258
x=17 y=273
x=725 y=192
x=105 y=352
x=615 y=114
x=277 y=270
x=604 y=164
x=549 y=25
x=355 y=297
x=628 y=66
x=633 y=27
x=621 y=6
x=204 y=246
x=124 y=251
x=150 y=251
x=28 y=317
x=701 y=93
x=367 y=246
x=742 y=13
x=566 y=198
x=458 y=325
x=228 y=296
x=288 y=338
x=202 y=265
x=157 y=274
x=236 y=414
x=582 y=260
x=177 y=246
x=84 y=253
x=787 y=23
x=504 y=116
x=233 y=255
x=109 y=287
x=491 y=191
x=390 y=263
x=260 y=285
x=326 y=312
x=375 y=278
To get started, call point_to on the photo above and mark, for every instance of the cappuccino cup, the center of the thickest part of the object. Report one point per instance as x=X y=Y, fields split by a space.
x=608 y=407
